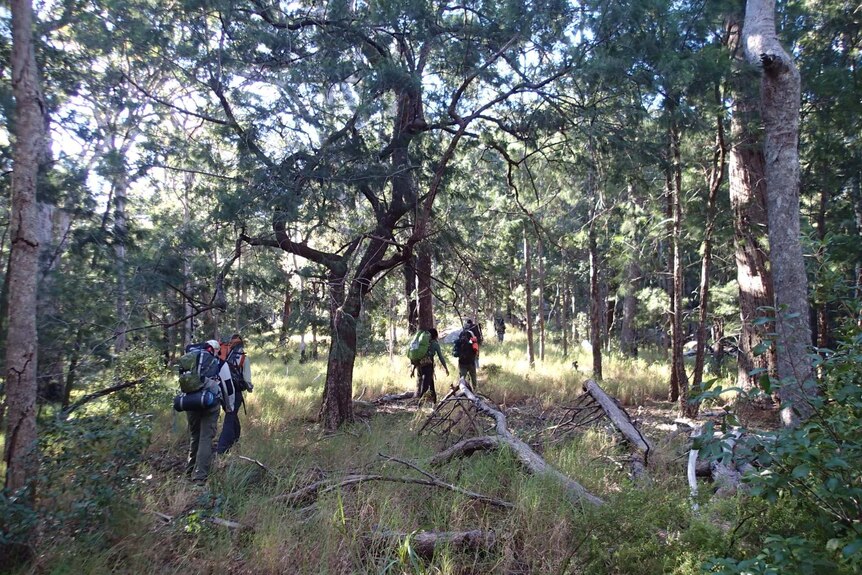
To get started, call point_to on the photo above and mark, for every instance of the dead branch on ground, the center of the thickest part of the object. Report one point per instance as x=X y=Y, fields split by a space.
x=426 y=542
x=640 y=446
x=525 y=454
x=311 y=492
x=466 y=448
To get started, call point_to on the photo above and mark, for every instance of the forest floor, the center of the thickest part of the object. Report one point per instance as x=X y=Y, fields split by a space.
x=241 y=520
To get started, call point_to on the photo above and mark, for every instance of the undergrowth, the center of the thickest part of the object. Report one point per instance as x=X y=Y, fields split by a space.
x=146 y=518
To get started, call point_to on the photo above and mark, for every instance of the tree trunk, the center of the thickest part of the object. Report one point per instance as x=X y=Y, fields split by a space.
x=21 y=450
x=188 y=310
x=54 y=225
x=285 y=314
x=528 y=286
x=597 y=309
x=337 y=405
x=747 y=179
x=564 y=317
x=716 y=177
x=628 y=345
x=410 y=292
x=679 y=379
x=121 y=185
x=857 y=211
x=823 y=332
x=780 y=101
x=425 y=295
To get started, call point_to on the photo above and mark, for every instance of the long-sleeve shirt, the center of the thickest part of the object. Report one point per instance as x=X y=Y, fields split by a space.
x=435 y=349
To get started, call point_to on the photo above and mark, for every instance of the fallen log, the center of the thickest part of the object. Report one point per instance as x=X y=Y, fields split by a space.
x=727 y=477
x=525 y=454
x=425 y=543
x=620 y=418
x=389 y=397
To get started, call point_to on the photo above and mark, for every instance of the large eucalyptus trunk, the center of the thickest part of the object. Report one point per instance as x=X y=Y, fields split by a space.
x=780 y=96
x=748 y=201
x=21 y=449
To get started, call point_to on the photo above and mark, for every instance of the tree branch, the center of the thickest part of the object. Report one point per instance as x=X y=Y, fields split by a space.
x=101 y=393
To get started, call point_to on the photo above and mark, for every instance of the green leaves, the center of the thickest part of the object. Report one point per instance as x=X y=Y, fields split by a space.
x=815 y=472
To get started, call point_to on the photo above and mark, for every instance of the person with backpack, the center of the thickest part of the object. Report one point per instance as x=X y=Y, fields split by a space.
x=203 y=423
x=425 y=365
x=466 y=349
x=500 y=327
x=476 y=331
x=233 y=354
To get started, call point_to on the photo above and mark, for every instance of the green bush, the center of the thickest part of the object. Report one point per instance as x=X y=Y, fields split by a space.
x=149 y=396
x=89 y=468
x=814 y=471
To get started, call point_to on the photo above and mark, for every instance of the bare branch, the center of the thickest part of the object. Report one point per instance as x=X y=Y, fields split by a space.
x=101 y=393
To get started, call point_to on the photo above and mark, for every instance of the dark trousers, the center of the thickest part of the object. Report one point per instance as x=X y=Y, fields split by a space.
x=468 y=369
x=202 y=429
x=425 y=381
x=231 y=427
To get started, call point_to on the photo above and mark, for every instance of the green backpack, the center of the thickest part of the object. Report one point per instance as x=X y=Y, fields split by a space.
x=195 y=367
x=419 y=346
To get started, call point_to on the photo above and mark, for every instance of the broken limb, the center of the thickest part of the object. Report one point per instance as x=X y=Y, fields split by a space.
x=621 y=420
x=525 y=454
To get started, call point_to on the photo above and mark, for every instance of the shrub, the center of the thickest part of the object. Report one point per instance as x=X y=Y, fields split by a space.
x=815 y=471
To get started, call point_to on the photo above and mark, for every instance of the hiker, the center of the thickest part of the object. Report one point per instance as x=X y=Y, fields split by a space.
x=466 y=349
x=500 y=327
x=474 y=329
x=203 y=424
x=425 y=378
x=233 y=354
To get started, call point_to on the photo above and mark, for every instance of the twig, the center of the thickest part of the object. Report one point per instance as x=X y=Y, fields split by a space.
x=259 y=464
x=229 y=524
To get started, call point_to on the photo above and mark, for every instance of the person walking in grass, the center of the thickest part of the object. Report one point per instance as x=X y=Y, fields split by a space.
x=466 y=349
x=476 y=331
x=203 y=424
x=425 y=378
x=233 y=354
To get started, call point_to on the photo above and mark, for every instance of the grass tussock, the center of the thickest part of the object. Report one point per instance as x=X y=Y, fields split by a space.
x=282 y=449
